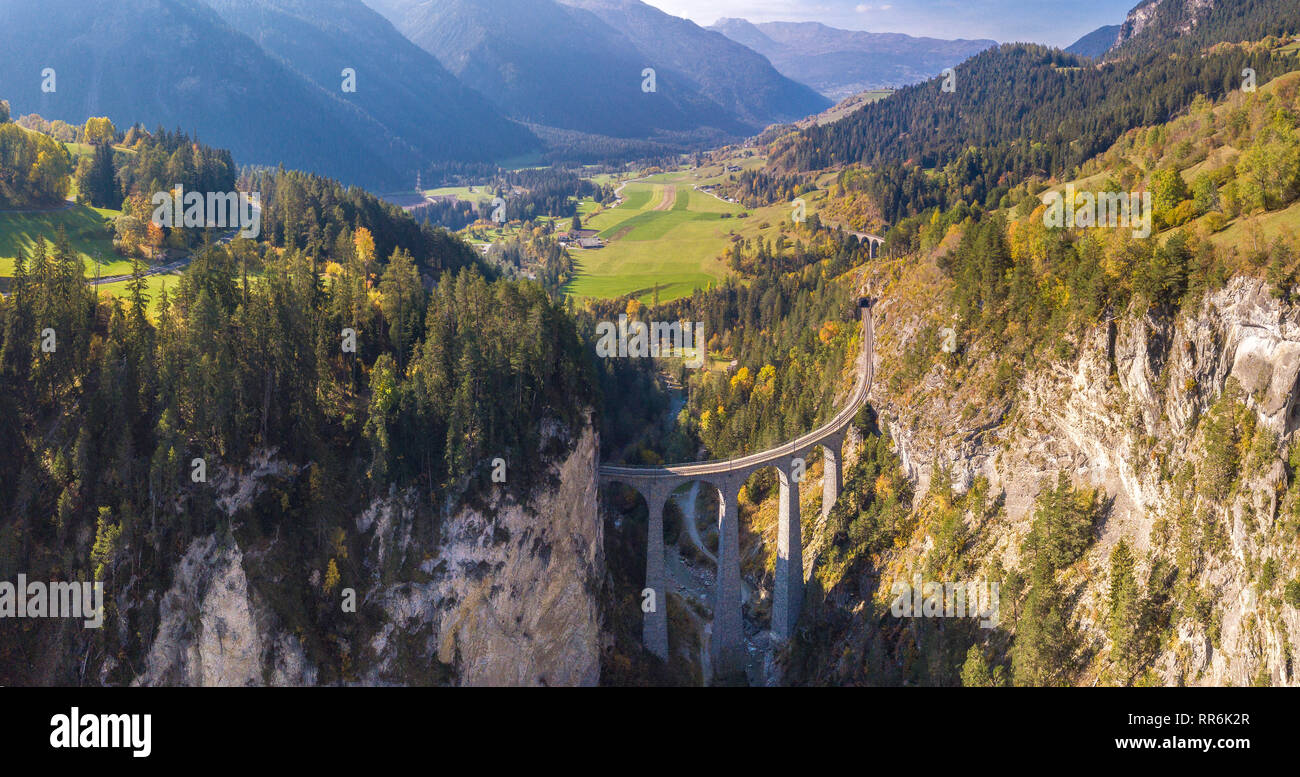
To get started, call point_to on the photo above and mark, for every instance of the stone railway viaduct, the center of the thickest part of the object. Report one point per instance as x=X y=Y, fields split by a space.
x=656 y=485
x=874 y=242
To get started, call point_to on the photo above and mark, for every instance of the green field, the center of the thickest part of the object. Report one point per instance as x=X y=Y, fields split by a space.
x=668 y=234
x=1263 y=228
x=661 y=234
x=89 y=231
x=153 y=285
x=461 y=192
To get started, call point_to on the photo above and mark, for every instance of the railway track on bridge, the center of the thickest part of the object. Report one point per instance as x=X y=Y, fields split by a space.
x=865 y=373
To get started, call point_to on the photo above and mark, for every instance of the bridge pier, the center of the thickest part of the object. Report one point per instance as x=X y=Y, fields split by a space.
x=654 y=628
x=728 y=641
x=832 y=476
x=788 y=594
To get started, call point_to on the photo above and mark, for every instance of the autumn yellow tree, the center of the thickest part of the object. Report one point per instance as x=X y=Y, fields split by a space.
x=365 y=243
x=155 y=236
x=332 y=576
x=99 y=131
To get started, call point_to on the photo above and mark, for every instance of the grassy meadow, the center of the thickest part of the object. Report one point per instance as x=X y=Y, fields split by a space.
x=666 y=233
x=89 y=230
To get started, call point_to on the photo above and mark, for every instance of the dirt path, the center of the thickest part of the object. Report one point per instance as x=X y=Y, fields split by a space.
x=687 y=504
x=156 y=269
x=669 y=198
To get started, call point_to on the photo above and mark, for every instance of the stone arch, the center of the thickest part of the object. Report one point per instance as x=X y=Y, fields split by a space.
x=656 y=484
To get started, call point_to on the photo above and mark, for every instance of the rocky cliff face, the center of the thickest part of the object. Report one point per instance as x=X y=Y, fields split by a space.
x=1127 y=412
x=1181 y=15
x=215 y=631
x=502 y=595
x=511 y=592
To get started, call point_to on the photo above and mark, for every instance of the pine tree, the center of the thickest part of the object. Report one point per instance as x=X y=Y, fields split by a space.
x=104 y=553
x=1123 y=612
x=1043 y=652
x=402 y=301
x=136 y=294
x=975 y=672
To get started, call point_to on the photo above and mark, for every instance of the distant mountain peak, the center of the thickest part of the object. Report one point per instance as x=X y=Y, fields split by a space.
x=1096 y=43
x=840 y=63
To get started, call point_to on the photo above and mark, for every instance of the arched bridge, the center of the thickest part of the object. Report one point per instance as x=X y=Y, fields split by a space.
x=656 y=485
x=874 y=242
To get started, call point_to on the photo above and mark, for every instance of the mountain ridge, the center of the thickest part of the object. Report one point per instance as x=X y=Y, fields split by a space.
x=178 y=63
x=526 y=55
x=419 y=100
x=730 y=73
x=1097 y=42
x=839 y=63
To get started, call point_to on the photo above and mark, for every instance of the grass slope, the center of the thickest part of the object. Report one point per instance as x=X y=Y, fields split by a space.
x=89 y=230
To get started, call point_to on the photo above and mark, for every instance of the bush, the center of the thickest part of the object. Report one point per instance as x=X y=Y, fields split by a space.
x=1267 y=575
x=1292 y=593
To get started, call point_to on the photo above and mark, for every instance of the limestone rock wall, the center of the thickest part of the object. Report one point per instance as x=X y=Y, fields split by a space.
x=505 y=595
x=1128 y=400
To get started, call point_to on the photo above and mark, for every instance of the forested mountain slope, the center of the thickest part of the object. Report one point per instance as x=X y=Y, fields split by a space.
x=177 y=64
x=1102 y=424
x=580 y=67
x=1197 y=24
x=399 y=84
x=1016 y=112
x=297 y=419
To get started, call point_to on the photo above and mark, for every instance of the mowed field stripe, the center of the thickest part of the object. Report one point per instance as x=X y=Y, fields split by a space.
x=666 y=201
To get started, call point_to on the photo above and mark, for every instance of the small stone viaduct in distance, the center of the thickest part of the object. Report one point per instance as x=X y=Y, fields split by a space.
x=656 y=485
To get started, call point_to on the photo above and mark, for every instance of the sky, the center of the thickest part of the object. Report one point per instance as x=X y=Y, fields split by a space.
x=1054 y=22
